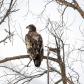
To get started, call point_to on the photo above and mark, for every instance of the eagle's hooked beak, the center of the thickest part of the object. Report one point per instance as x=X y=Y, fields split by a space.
x=27 y=27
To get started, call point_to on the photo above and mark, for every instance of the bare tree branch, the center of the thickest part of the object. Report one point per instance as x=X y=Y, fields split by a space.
x=9 y=10
x=48 y=67
x=74 y=5
x=24 y=56
x=8 y=36
x=58 y=81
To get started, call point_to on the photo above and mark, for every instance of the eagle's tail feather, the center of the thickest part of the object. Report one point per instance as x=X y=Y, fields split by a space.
x=37 y=61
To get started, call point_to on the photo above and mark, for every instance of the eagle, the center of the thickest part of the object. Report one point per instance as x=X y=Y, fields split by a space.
x=34 y=45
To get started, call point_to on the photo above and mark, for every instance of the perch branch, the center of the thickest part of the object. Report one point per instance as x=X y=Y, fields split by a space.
x=24 y=56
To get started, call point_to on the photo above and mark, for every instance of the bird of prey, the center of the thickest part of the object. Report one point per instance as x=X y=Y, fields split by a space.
x=34 y=45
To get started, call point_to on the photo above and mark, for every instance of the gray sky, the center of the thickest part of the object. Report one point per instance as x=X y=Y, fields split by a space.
x=72 y=35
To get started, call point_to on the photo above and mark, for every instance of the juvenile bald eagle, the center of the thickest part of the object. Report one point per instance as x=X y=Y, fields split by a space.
x=34 y=45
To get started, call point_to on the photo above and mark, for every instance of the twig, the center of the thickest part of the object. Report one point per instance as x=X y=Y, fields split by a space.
x=6 y=38
x=29 y=62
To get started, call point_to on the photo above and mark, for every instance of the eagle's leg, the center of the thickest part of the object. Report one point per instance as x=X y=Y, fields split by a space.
x=29 y=62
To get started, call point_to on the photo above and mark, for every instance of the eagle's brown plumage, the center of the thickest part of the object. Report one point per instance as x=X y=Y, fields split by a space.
x=34 y=45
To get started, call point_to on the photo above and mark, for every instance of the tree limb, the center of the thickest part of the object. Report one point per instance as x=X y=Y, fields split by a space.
x=24 y=56
x=58 y=81
x=9 y=10
x=74 y=5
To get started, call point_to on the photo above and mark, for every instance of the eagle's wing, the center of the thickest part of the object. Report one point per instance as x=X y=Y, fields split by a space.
x=28 y=45
x=34 y=45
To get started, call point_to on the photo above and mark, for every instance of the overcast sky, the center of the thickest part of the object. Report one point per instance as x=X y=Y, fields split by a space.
x=22 y=19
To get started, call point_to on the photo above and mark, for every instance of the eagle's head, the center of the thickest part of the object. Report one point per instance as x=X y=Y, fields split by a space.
x=31 y=27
